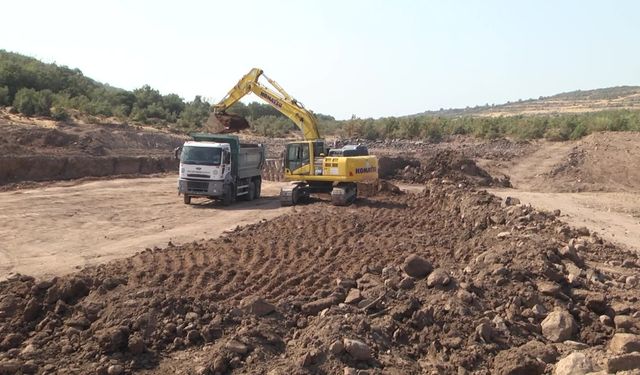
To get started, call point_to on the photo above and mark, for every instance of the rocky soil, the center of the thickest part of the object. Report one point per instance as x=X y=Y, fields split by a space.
x=451 y=281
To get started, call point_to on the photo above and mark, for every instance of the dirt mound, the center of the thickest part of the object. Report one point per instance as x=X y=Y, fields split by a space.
x=494 y=287
x=67 y=151
x=447 y=165
x=599 y=162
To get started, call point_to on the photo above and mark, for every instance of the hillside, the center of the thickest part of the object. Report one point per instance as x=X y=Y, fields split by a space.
x=580 y=101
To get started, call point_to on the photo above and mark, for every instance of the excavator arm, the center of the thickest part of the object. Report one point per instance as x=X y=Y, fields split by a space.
x=278 y=99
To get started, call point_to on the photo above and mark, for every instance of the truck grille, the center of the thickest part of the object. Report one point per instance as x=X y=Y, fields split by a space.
x=198 y=175
x=197 y=186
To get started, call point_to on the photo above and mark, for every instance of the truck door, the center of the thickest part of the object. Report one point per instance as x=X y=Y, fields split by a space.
x=297 y=158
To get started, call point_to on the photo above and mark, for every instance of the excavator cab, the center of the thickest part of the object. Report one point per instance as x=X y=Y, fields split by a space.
x=301 y=156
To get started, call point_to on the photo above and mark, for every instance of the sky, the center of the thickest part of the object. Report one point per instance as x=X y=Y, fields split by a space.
x=339 y=57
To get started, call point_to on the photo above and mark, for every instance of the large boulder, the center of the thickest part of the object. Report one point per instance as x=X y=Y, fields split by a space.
x=622 y=343
x=575 y=363
x=559 y=326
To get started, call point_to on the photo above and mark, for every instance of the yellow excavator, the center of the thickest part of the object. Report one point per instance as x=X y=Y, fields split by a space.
x=309 y=165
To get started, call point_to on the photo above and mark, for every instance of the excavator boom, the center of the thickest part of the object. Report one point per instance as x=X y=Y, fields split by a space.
x=278 y=99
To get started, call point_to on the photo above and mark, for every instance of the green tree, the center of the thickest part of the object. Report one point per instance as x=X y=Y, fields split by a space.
x=195 y=114
x=4 y=95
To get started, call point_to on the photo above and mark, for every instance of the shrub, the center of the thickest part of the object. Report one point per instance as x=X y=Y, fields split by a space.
x=31 y=102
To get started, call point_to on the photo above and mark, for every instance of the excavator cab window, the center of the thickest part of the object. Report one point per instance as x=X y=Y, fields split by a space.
x=318 y=149
x=297 y=155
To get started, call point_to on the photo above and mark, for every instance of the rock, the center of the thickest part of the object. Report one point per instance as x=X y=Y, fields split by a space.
x=349 y=371
x=354 y=296
x=80 y=323
x=597 y=303
x=28 y=350
x=346 y=284
x=32 y=310
x=543 y=352
x=115 y=370
x=194 y=336
x=510 y=201
x=631 y=281
x=558 y=326
x=191 y=316
x=336 y=348
x=312 y=308
x=623 y=362
x=407 y=282
x=202 y=370
x=110 y=283
x=484 y=332
x=70 y=290
x=237 y=347
x=516 y=361
x=503 y=235
x=438 y=277
x=575 y=363
x=548 y=288
x=538 y=310
x=135 y=344
x=257 y=306
x=12 y=340
x=606 y=320
x=45 y=284
x=357 y=349
x=416 y=266
x=220 y=364
x=622 y=343
x=624 y=322
x=113 y=339
x=629 y=263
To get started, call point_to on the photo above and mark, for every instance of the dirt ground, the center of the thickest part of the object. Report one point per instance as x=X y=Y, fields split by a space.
x=449 y=279
x=59 y=228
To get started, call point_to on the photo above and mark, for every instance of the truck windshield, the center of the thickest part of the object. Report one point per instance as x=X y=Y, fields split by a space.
x=201 y=155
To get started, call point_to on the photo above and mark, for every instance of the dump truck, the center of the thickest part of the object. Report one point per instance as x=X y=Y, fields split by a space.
x=218 y=166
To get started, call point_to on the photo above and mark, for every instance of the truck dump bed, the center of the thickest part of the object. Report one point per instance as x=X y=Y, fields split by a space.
x=247 y=158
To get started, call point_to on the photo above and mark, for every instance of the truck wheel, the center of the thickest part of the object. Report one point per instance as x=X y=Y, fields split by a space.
x=227 y=197
x=187 y=199
x=251 y=192
x=258 y=187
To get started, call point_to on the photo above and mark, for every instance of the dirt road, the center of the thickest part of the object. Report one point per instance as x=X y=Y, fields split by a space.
x=56 y=229
x=611 y=208
x=615 y=216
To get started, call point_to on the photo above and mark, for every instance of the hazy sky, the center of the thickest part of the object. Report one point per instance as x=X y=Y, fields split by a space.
x=368 y=58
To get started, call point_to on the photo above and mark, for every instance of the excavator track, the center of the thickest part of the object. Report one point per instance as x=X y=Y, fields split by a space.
x=344 y=194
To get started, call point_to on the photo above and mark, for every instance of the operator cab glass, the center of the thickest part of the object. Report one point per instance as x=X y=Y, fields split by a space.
x=201 y=155
x=298 y=156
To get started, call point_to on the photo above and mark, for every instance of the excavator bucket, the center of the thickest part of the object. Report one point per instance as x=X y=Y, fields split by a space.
x=226 y=123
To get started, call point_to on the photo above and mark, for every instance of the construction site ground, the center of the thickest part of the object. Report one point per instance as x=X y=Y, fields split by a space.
x=119 y=276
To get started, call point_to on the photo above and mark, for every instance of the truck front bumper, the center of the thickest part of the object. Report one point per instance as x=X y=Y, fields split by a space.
x=201 y=188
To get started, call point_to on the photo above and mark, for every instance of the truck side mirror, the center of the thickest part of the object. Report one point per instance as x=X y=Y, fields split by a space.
x=226 y=157
x=176 y=153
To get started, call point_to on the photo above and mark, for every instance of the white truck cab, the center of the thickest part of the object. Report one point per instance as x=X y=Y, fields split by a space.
x=220 y=167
